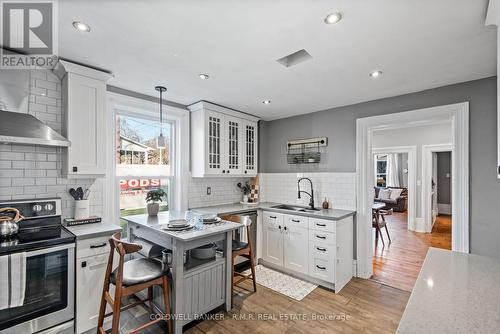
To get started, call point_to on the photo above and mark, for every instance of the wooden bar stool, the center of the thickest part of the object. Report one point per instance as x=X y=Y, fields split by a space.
x=129 y=278
x=244 y=249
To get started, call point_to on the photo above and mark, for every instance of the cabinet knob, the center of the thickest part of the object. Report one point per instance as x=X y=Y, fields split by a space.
x=75 y=169
x=223 y=171
x=284 y=228
x=245 y=172
x=228 y=171
x=84 y=264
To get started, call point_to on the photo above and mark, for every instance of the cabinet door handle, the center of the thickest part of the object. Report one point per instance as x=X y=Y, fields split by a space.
x=320 y=267
x=228 y=171
x=322 y=225
x=84 y=264
x=296 y=220
x=98 y=246
x=284 y=228
x=320 y=236
x=279 y=226
x=75 y=169
x=321 y=249
x=272 y=217
x=245 y=172
x=223 y=171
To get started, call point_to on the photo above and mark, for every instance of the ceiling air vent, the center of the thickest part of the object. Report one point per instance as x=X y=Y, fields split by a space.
x=294 y=58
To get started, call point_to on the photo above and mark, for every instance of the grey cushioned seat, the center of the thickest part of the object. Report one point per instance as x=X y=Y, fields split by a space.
x=139 y=271
x=237 y=245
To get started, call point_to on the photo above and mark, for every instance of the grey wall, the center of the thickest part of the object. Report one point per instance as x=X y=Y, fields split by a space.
x=339 y=125
x=443 y=182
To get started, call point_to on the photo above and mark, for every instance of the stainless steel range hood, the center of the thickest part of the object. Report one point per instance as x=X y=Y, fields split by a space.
x=20 y=128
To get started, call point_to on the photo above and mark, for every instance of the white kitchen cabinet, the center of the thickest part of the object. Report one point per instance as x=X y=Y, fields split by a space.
x=273 y=238
x=318 y=249
x=223 y=141
x=91 y=260
x=295 y=244
x=84 y=119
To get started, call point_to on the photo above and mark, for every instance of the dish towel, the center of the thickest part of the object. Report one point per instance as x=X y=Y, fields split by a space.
x=12 y=280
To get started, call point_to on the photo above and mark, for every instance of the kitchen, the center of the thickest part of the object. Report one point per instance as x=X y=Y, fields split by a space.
x=188 y=186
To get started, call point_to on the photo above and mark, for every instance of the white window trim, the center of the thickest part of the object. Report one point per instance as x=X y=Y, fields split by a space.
x=123 y=104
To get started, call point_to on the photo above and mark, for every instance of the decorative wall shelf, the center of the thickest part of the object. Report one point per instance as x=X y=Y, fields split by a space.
x=305 y=151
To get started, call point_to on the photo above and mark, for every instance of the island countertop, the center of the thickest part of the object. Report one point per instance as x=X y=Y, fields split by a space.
x=328 y=214
x=454 y=293
x=158 y=223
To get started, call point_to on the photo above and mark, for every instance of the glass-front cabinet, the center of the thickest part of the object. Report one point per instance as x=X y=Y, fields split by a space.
x=223 y=141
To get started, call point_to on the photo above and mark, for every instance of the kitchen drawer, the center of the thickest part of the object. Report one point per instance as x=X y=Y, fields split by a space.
x=322 y=225
x=321 y=250
x=324 y=237
x=91 y=247
x=273 y=217
x=322 y=268
x=296 y=221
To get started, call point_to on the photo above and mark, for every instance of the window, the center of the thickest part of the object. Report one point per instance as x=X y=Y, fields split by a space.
x=381 y=170
x=140 y=165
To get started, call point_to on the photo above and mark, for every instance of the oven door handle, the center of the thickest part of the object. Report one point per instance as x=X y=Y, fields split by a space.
x=50 y=250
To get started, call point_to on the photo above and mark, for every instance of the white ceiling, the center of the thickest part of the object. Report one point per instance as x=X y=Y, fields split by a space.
x=418 y=44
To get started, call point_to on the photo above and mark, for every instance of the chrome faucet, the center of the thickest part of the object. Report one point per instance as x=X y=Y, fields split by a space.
x=311 y=202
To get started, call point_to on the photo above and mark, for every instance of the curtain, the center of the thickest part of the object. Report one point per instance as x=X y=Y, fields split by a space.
x=392 y=171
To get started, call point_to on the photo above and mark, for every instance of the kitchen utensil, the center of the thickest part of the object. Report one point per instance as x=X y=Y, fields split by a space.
x=166 y=257
x=178 y=223
x=79 y=191
x=204 y=252
x=9 y=218
x=86 y=194
x=74 y=194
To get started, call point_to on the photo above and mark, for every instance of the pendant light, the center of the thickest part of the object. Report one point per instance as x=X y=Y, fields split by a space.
x=161 y=141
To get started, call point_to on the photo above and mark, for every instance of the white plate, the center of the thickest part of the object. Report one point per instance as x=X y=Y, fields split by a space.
x=216 y=220
x=178 y=223
x=182 y=228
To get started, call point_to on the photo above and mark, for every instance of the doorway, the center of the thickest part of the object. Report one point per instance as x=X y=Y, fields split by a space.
x=458 y=116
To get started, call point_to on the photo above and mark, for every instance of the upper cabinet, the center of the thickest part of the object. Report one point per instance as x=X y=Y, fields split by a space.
x=223 y=141
x=84 y=110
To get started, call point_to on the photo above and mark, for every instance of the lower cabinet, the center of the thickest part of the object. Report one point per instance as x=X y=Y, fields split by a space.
x=317 y=248
x=91 y=260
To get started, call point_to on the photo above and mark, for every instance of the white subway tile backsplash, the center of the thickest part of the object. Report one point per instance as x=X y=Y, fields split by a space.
x=223 y=191
x=338 y=188
x=30 y=171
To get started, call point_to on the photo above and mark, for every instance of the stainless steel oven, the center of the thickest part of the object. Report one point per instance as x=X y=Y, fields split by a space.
x=49 y=292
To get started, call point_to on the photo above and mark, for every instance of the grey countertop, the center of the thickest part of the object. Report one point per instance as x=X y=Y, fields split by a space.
x=88 y=231
x=454 y=293
x=200 y=230
x=330 y=214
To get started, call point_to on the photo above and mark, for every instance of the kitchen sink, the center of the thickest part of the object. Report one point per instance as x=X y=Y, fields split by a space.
x=294 y=208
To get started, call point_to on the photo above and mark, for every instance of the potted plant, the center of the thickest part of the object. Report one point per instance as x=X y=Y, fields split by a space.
x=245 y=189
x=153 y=197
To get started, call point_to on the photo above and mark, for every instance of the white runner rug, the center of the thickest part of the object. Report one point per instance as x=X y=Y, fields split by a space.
x=287 y=285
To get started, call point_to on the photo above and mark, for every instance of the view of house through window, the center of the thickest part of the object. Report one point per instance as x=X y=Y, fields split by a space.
x=140 y=165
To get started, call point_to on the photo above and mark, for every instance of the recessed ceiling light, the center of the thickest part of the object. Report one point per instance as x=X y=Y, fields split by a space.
x=375 y=74
x=203 y=76
x=80 y=26
x=266 y=101
x=333 y=18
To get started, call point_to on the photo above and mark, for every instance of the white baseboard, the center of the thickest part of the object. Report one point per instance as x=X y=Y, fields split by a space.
x=420 y=225
x=444 y=209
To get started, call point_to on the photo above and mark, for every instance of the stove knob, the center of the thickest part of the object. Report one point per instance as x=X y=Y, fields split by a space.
x=49 y=207
x=37 y=208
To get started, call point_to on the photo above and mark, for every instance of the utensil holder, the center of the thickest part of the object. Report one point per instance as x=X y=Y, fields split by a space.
x=82 y=209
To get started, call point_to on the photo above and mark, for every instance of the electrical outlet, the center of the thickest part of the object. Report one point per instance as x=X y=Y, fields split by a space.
x=209 y=190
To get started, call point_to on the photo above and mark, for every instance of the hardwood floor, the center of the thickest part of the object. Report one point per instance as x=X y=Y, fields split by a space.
x=398 y=264
x=363 y=306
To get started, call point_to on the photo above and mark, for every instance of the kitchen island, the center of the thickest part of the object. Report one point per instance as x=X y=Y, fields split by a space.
x=198 y=286
x=454 y=293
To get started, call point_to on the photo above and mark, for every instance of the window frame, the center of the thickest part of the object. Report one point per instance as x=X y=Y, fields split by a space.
x=178 y=117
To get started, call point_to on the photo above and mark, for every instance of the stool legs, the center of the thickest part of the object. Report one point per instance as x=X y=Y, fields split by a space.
x=252 y=265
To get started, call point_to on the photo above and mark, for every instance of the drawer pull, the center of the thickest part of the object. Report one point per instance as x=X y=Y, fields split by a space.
x=320 y=267
x=320 y=236
x=99 y=246
x=272 y=217
x=322 y=225
x=296 y=220
x=321 y=249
